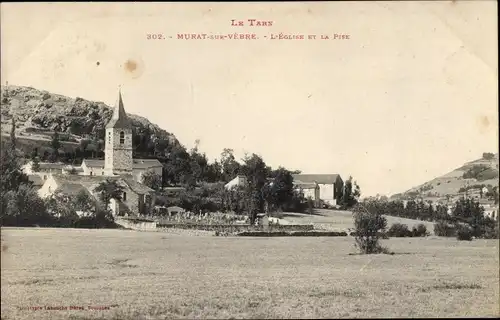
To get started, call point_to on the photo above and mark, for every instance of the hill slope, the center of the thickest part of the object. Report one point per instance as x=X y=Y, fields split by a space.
x=480 y=172
x=39 y=113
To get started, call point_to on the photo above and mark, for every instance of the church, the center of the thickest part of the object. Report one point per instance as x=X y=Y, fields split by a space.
x=118 y=165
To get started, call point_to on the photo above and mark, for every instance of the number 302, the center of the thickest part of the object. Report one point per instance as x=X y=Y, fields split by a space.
x=157 y=36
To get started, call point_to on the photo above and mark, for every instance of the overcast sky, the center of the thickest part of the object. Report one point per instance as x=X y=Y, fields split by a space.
x=410 y=96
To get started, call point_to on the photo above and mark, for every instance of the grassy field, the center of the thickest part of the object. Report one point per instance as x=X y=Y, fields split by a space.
x=337 y=220
x=154 y=275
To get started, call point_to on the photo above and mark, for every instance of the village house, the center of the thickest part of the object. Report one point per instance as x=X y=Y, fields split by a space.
x=330 y=185
x=44 y=169
x=239 y=180
x=309 y=190
x=118 y=165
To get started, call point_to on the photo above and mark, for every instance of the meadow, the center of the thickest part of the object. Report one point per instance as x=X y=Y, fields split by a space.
x=169 y=275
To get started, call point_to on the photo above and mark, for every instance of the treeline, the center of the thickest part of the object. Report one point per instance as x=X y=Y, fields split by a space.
x=414 y=209
x=465 y=213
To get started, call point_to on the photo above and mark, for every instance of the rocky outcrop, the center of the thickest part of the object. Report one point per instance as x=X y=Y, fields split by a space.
x=37 y=111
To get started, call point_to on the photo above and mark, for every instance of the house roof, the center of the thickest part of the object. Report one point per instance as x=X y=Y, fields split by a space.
x=93 y=163
x=119 y=118
x=136 y=164
x=318 y=178
x=49 y=166
x=146 y=163
x=175 y=208
x=70 y=167
x=137 y=187
x=72 y=189
x=304 y=185
x=36 y=179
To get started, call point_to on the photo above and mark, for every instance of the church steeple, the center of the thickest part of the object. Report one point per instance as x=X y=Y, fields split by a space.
x=119 y=118
x=118 y=147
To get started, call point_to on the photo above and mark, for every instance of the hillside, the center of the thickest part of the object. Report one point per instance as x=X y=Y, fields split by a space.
x=38 y=114
x=480 y=172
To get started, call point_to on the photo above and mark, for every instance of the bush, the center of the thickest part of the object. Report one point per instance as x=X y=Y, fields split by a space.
x=475 y=171
x=443 y=229
x=492 y=233
x=464 y=233
x=368 y=228
x=488 y=155
x=420 y=231
x=399 y=230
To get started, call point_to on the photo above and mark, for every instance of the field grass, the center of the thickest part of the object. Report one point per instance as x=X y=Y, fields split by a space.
x=336 y=220
x=152 y=275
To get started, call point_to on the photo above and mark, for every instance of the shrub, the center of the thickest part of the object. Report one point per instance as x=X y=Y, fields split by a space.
x=399 y=230
x=488 y=155
x=475 y=171
x=420 y=231
x=464 y=233
x=443 y=229
x=492 y=233
x=368 y=226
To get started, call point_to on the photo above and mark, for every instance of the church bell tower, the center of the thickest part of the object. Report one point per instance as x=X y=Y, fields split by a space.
x=118 y=144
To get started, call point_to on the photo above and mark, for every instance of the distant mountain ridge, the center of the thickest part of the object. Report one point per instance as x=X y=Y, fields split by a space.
x=38 y=113
x=471 y=176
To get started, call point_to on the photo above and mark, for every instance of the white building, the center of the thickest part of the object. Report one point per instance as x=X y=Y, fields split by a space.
x=330 y=185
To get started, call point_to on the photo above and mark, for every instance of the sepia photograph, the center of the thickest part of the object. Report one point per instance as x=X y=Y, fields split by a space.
x=249 y=160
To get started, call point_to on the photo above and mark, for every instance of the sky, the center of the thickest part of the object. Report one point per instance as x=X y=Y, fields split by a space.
x=411 y=95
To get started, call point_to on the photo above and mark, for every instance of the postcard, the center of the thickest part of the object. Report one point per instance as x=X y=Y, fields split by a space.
x=236 y=160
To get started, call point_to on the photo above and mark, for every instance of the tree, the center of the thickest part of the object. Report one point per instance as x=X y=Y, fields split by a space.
x=84 y=144
x=368 y=225
x=13 y=141
x=36 y=165
x=256 y=172
x=109 y=189
x=279 y=194
x=60 y=205
x=350 y=194
x=472 y=213
x=230 y=167
x=23 y=207
x=488 y=155
x=152 y=180
x=55 y=144
x=11 y=175
x=83 y=202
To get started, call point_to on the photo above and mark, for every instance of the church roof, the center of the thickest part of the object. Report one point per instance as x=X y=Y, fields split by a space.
x=70 y=183
x=136 y=164
x=119 y=118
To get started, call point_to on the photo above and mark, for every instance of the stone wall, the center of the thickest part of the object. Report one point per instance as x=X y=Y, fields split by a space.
x=236 y=227
x=136 y=224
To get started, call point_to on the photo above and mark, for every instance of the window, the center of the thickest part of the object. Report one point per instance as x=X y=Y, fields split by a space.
x=124 y=196
x=122 y=137
x=91 y=172
x=109 y=136
x=102 y=173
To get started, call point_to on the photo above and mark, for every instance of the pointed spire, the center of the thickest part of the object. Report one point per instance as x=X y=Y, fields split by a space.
x=119 y=118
